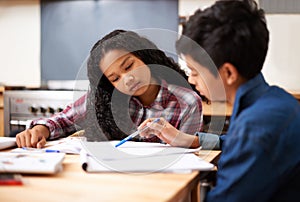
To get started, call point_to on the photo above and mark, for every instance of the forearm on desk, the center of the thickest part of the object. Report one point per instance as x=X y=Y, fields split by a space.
x=56 y=129
x=63 y=123
x=210 y=141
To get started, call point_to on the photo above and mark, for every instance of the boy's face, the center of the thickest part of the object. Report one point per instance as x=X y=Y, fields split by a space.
x=206 y=83
x=126 y=72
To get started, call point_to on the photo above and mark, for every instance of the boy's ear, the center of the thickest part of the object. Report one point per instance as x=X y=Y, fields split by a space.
x=229 y=73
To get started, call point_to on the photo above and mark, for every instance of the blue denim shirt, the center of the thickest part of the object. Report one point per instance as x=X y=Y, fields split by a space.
x=260 y=158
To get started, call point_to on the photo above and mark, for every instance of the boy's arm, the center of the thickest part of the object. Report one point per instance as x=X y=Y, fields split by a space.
x=245 y=169
x=210 y=141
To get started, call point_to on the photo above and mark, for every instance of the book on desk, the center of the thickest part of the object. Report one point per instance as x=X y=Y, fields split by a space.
x=31 y=162
x=140 y=157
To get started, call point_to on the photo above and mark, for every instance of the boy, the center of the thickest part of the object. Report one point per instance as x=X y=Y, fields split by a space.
x=260 y=158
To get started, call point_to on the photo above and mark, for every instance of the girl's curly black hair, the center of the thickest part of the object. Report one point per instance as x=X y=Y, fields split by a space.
x=101 y=108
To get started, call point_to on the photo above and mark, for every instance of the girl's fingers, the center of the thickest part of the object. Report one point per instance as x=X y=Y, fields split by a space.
x=155 y=126
x=142 y=125
x=41 y=143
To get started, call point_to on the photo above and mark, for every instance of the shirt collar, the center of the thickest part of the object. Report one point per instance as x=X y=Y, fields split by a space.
x=161 y=100
x=248 y=93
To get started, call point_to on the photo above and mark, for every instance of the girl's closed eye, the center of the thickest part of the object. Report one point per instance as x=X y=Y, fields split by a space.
x=193 y=73
x=128 y=66
x=114 y=79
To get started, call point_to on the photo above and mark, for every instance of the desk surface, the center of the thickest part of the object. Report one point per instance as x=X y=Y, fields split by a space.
x=73 y=184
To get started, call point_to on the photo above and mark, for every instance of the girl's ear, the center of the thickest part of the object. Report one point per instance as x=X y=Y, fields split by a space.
x=229 y=73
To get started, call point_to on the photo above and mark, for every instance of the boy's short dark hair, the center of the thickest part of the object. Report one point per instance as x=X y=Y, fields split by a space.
x=231 y=31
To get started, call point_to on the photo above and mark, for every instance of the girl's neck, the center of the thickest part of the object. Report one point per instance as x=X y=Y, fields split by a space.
x=150 y=95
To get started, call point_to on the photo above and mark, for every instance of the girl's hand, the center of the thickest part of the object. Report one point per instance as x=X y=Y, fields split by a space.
x=168 y=133
x=35 y=137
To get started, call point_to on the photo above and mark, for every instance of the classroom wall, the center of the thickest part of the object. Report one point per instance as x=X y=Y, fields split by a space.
x=282 y=66
x=67 y=37
x=20 y=43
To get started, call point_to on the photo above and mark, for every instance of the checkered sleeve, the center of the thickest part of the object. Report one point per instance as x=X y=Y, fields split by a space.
x=63 y=123
x=191 y=117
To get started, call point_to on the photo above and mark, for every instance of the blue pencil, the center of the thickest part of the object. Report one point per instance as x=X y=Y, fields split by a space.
x=129 y=137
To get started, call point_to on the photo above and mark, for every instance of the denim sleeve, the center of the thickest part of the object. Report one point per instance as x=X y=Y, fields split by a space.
x=209 y=141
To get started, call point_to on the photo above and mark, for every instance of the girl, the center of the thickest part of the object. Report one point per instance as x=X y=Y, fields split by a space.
x=130 y=80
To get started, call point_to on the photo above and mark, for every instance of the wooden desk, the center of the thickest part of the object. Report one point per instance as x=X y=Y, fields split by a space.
x=73 y=184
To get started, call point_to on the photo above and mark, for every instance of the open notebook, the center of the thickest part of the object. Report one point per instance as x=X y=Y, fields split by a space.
x=31 y=162
x=69 y=145
x=139 y=157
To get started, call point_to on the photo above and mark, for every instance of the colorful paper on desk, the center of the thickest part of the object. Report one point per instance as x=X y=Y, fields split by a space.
x=64 y=145
x=69 y=145
x=36 y=163
x=139 y=157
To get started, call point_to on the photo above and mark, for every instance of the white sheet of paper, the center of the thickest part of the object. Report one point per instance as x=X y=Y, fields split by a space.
x=139 y=157
x=107 y=150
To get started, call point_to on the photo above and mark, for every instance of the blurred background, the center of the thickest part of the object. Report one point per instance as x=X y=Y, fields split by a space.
x=45 y=42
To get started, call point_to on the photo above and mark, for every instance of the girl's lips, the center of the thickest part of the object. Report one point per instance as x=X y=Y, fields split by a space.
x=200 y=91
x=135 y=86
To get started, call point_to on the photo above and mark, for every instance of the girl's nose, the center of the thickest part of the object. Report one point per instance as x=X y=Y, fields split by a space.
x=128 y=80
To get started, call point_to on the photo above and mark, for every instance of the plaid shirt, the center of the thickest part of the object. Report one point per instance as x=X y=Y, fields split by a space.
x=180 y=106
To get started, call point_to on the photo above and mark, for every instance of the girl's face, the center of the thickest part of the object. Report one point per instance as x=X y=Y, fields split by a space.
x=126 y=72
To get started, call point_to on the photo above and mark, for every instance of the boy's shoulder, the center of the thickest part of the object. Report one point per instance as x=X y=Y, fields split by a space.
x=278 y=98
x=274 y=104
